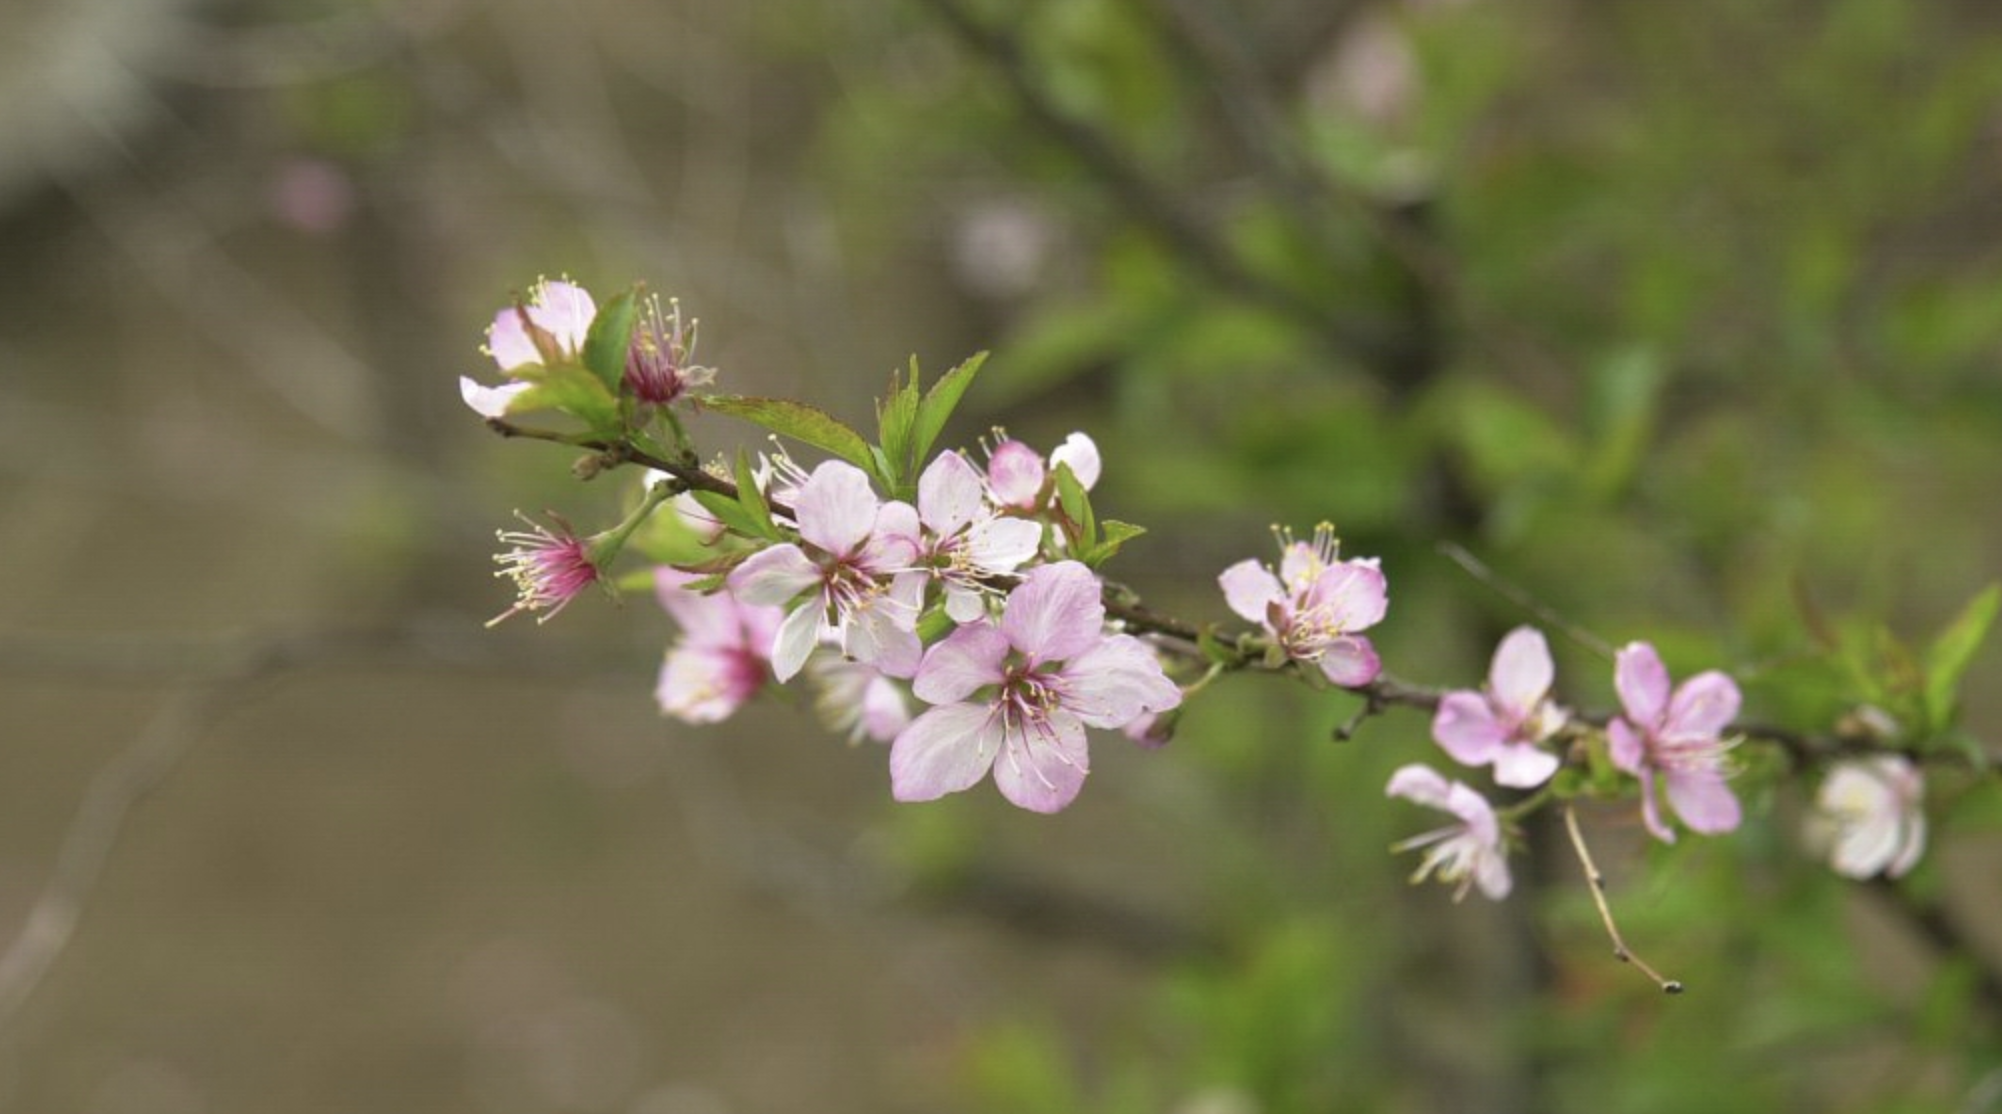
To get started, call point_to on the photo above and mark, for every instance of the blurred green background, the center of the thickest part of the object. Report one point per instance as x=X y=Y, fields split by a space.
x=1685 y=318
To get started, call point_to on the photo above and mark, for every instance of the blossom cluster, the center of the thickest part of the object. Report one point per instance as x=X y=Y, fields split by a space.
x=950 y=605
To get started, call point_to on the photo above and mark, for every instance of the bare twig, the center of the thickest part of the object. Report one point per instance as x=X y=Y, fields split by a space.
x=1597 y=882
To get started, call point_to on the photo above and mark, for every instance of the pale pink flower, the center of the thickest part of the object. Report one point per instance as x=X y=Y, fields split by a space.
x=660 y=365
x=857 y=700
x=1015 y=696
x=1504 y=724
x=1676 y=736
x=1467 y=853
x=850 y=581
x=1018 y=477
x=722 y=657
x=554 y=321
x=1314 y=605
x=964 y=542
x=1870 y=817
x=549 y=568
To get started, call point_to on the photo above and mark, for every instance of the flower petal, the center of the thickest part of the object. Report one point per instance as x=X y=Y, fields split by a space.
x=1524 y=766
x=508 y=342
x=836 y=507
x=1642 y=682
x=1056 y=613
x=1015 y=475
x=1115 y=681
x=1466 y=728
x=1419 y=783
x=1248 y=587
x=1626 y=746
x=564 y=310
x=706 y=684
x=796 y=638
x=1042 y=764
x=489 y=402
x=709 y=620
x=1705 y=705
x=947 y=749
x=968 y=660
x=950 y=494
x=1703 y=801
x=1353 y=592
x=1651 y=808
x=1350 y=661
x=1081 y=453
x=1000 y=545
x=774 y=576
x=1521 y=673
x=874 y=636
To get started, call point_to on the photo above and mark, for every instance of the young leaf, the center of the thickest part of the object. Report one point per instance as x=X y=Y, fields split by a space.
x=1076 y=506
x=1116 y=533
x=731 y=513
x=611 y=333
x=1948 y=656
x=574 y=393
x=800 y=422
x=939 y=404
x=896 y=419
x=752 y=498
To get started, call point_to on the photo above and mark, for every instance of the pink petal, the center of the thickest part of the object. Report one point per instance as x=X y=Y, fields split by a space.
x=836 y=507
x=1042 y=765
x=1466 y=729
x=1081 y=453
x=705 y=620
x=1705 y=705
x=968 y=660
x=1521 y=674
x=950 y=494
x=508 y=342
x=1015 y=474
x=1474 y=811
x=1642 y=682
x=1522 y=766
x=1115 y=681
x=705 y=685
x=1353 y=592
x=884 y=711
x=1422 y=784
x=1001 y=545
x=893 y=540
x=1350 y=661
x=795 y=640
x=1056 y=613
x=1491 y=875
x=1705 y=803
x=1248 y=587
x=1626 y=746
x=489 y=402
x=874 y=636
x=774 y=576
x=1651 y=809
x=564 y=310
x=945 y=750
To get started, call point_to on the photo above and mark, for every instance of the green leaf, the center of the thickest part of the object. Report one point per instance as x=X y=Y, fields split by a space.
x=731 y=513
x=573 y=392
x=753 y=500
x=797 y=420
x=610 y=335
x=1080 y=528
x=939 y=403
x=1116 y=533
x=896 y=419
x=1948 y=656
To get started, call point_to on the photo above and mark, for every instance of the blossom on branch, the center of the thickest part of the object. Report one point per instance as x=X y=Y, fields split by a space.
x=549 y=568
x=1018 y=477
x=1015 y=696
x=1314 y=605
x=1676 y=736
x=857 y=700
x=964 y=541
x=1869 y=817
x=723 y=656
x=659 y=357
x=1504 y=724
x=1467 y=853
x=549 y=327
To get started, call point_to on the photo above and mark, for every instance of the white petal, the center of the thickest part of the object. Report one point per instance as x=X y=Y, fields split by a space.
x=967 y=660
x=1522 y=672
x=795 y=640
x=836 y=507
x=773 y=576
x=1081 y=453
x=1042 y=765
x=950 y=494
x=943 y=751
x=1248 y=587
x=489 y=402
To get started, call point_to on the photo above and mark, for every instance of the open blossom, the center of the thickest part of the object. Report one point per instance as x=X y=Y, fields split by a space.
x=851 y=581
x=1466 y=853
x=549 y=568
x=660 y=357
x=1675 y=736
x=857 y=700
x=1504 y=724
x=1870 y=817
x=723 y=655
x=1015 y=696
x=1314 y=605
x=1017 y=474
x=558 y=318
x=964 y=541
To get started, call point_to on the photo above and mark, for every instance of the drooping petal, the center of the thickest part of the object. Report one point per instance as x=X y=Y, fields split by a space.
x=1350 y=661
x=1115 y=681
x=950 y=494
x=836 y=507
x=1521 y=673
x=1466 y=728
x=1249 y=587
x=1043 y=764
x=489 y=402
x=1081 y=453
x=774 y=576
x=945 y=750
x=1353 y=592
x=1642 y=682
x=1422 y=784
x=564 y=310
x=795 y=640
x=1626 y=746
x=508 y=342
x=1651 y=808
x=1704 y=705
x=966 y=661
x=1056 y=613
x=1015 y=475
x=1703 y=801
x=1491 y=874
x=1523 y=766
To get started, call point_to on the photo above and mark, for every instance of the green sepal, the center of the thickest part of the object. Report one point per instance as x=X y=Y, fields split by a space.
x=1216 y=649
x=1080 y=528
x=939 y=402
x=752 y=499
x=714 y=582
x=609 y=337
x=808 y=424
x=1948 y=656
x=574 y=392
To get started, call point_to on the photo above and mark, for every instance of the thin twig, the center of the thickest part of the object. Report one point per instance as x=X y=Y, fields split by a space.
x=1597 y=882
x=1514 y=594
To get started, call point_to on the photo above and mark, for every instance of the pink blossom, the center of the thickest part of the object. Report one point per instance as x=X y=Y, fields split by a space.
x=1676 y=736
x=552 y=325
x=1469 y=853
x=1017 y=476
x=660 y=364
x=1870 y=817
x=850 y=580
x=1504 y=724
x=549 y=568
x=721 y=659
x=857 y=700
x=1015 y=696
x=964 y=541
x=1313 y=605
